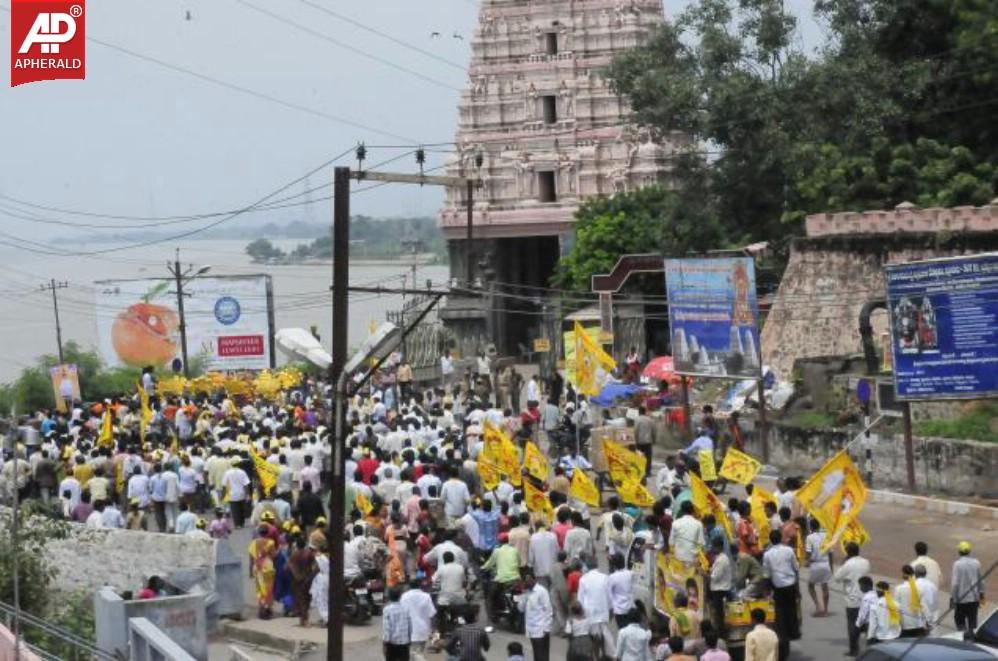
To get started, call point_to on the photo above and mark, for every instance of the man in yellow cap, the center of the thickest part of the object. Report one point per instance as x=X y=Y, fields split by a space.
x=967 y=591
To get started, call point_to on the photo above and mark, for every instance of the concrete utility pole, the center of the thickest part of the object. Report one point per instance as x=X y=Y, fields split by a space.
x=53 y=285
x=337 y=493
x=337 y=379
x=180 y=278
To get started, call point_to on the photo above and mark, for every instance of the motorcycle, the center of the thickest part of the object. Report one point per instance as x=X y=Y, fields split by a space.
x=357 y=608
x=502 y=605
x=450 y=616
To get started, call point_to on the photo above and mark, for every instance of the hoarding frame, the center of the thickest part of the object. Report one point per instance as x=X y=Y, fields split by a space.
x=268 y=299
x=894 y=297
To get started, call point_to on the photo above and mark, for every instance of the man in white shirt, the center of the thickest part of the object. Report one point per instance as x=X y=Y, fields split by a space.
x=138 y=488
x=310 y=473
x=620 y=589
x=780 y=566
x=666 y=477
x=421 y=610
x=455 y=495
x=426 y=480
x=594 y=597
x=542 y=554
x=450 y=580
x=848 y=576
x=351 y=555
x=171 y=484
x=929 y=594
x=913 y=620
x=535 y=603
x=883 y=625
x=437 y=553
x=686 y=536
x=186 y=520
x=722 y=579
x=96 y=518
x=111 y=516
x=71 y=485
x=235 y=482
x=388 y=485
x=932 y=570
x=633 y=639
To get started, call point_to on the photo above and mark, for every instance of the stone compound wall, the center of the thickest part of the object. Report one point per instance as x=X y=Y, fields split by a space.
x=838 y=267
x=942 y=465
x=89 y=559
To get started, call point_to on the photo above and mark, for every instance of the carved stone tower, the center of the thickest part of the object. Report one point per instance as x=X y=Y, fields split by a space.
x=543 y=130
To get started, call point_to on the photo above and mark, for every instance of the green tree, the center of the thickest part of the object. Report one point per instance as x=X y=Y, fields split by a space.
x=263 y=250
x=650 y=219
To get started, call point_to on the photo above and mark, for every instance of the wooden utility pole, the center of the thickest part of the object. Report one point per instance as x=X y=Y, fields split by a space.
x=53 y=285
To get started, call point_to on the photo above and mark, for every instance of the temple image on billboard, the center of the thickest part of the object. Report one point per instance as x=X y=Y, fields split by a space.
x=915 y=321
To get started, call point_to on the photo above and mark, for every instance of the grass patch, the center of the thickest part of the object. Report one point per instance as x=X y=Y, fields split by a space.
x=976 y=424
x=811 y=420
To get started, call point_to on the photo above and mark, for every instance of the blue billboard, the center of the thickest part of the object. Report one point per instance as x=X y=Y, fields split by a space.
x=713 y=316
x=944 y=327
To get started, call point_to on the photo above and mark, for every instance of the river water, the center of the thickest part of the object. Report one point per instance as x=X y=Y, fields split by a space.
x=301 y=292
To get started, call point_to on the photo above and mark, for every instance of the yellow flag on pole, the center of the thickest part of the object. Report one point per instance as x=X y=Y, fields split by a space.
x=634 y=493
x=488 y=472
x=535 y=462
x=536 y=500
x=266 y=471
x=583 y=488
x=106 y=438
x=706 y=501
x=834 y=495
x=708 y=471
x=739 y=467
x=589 y=354
x=854 y=531
x=757 y=501
x=624 y=465
x=500 y=449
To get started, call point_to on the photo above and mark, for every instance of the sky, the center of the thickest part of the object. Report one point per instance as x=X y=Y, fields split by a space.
x=139 y=138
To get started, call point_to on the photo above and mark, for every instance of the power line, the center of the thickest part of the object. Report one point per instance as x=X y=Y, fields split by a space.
x=239 y=88
x=356 y=51
x=383 y=35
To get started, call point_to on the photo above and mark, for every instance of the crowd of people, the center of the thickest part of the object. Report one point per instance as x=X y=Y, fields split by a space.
x=424 y=527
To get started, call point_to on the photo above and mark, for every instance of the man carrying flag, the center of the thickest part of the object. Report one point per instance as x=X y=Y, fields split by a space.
x=834 y=495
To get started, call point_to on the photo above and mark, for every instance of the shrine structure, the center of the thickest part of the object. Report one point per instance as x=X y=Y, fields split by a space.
x=542 y=129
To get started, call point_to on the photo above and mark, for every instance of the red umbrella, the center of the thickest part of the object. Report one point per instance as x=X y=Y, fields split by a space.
x=660 y=368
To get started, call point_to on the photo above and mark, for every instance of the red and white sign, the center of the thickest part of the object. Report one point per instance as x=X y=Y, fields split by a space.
x=240 y=345
x=47 y=40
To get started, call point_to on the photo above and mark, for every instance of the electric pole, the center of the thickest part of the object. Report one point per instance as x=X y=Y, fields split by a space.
x=180 y=278
x=53 y=285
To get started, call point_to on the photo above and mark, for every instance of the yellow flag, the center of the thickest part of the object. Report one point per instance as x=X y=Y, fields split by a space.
x=363 y=504
x=834 y=495
x=800 y=548
x=757 y=501
x=535 y=499
x=706 y=501
x=634 y=493
x=587 y=355
x=175 y=444
x=535 y=462
x=584 y=489
x=739 y=467
x=119 y=478
x=708 y=471
x=500 y=449
x=854 y=531
x=266 y=471
x=488 y=472
x=624 y=465
x=106 y=429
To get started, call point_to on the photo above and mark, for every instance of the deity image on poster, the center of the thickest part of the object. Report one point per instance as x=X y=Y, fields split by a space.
x=915 y=325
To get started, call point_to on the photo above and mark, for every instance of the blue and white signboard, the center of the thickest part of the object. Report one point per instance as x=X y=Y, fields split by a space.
x=713 y=316
x=944 y=327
